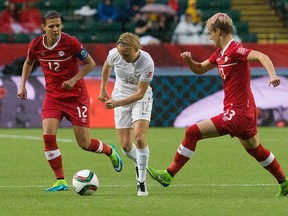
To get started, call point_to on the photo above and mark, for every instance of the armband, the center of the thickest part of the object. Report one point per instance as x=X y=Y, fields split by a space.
x=83 y=54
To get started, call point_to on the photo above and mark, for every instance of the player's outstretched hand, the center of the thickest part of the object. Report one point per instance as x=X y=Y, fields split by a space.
x=274 y=80
x=186 y=55
x=103 y=96
x=22 y=93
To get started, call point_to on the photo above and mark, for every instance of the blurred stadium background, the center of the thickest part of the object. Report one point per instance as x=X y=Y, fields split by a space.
x=260 y=25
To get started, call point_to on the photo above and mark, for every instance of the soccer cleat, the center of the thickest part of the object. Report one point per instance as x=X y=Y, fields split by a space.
x=283 y=189
x=115 y=159
x=162 y=176
x=142 y=189
x=60 y=185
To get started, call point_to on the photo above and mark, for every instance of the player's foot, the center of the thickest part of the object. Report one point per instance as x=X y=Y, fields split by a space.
x=283 y=188
x=60 y=185
x=162 y=176
x=142 y=189
x=115 y=159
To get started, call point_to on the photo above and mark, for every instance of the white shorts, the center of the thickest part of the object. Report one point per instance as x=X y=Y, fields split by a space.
x=125 y=116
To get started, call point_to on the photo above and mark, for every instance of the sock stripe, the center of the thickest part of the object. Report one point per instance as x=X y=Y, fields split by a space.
x=182 y=150
x=268 y=161
x=100 y=148
x=50 y=155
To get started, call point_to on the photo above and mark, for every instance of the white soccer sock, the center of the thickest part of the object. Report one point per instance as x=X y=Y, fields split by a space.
x=142 y=158
x=132 y=153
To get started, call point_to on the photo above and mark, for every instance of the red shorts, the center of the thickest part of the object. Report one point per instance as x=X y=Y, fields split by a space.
x=74 y=109
x=237 y=122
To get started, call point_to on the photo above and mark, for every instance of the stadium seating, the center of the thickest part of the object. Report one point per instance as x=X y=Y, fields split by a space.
x=73 y=25
x=263 y=22
x=2 y=4
x=207 y=4
x=208 y=8
x=90 y=31
x=21 y=38
x=97 y=37
x=241 y=27
x=52 y=5
x=234 y=14
x=4 y=38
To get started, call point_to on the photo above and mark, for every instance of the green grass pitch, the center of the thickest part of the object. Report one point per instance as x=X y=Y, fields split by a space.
x=220 y=179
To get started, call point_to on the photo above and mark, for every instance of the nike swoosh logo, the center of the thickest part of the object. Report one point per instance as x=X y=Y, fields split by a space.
x=160 y=178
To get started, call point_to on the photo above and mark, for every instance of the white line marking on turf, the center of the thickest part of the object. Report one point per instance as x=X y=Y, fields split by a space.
x=32 y=138
x=222 y=185
x=36 y=138
x=154 y=185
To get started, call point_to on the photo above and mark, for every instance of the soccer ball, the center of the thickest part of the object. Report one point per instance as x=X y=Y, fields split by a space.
x=85 y=182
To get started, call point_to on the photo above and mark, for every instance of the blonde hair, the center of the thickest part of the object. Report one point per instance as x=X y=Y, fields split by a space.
x=130 y=40
x=221 y=21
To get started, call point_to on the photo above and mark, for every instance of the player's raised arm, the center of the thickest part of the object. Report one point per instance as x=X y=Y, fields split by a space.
x=267 y=64
x=26 y=71
x=196 y=67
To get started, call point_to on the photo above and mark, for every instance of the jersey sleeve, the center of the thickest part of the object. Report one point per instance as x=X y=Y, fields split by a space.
x=30 y=53
x=212 y=58
x=148 y=72
x=111 y=57
x=241 y=54
x=76 y=47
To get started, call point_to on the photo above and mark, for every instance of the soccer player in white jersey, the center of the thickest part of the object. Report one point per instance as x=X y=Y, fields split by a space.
x=131 y=100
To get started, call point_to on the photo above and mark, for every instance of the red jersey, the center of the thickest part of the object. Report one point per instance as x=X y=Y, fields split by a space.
x=234 y=70
x=59 y=63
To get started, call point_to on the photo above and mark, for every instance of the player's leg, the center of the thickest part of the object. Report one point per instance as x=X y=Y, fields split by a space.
x=125 y=136
x=141 y=115
x=142 y=154
x=194 y=133
x=267 y=159
x=129 y=149
x=84 y=140
x=53 y=154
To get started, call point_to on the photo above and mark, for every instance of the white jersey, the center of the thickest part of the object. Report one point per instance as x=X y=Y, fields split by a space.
x=129 y=74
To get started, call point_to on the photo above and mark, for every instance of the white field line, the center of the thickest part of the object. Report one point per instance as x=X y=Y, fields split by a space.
x=154 y=185
x=32 y=138
x=39 y=138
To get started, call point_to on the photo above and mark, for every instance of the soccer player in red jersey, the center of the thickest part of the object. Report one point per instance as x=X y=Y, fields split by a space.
x=239 y=116
x=66 y=93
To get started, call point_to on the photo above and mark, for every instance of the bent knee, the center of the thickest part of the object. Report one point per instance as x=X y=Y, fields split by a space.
x=193 y=133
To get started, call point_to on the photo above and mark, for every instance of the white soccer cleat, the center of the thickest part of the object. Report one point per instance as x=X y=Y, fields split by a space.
x=142 y=189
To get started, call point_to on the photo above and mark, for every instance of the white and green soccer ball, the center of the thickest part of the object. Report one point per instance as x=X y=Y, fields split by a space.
x=85 y=182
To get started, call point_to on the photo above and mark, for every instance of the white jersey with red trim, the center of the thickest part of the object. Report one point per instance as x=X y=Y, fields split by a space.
x=128 y=75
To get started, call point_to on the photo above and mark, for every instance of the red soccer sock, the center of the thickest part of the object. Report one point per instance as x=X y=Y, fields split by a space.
x=53 y=155
x=185 y=150
x=268 y=161
x=99 y=147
